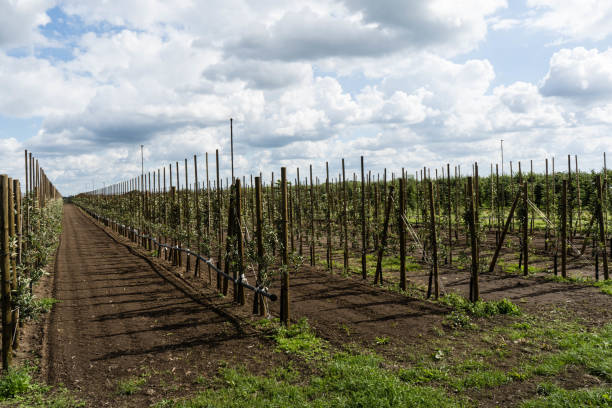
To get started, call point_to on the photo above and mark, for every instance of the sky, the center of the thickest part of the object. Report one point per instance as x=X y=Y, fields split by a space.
x=405 y=83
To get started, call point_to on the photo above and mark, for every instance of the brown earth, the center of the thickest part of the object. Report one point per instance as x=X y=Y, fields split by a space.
x=122 y=316
x=125 y=315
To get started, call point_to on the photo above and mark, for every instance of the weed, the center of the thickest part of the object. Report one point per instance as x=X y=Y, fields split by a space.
x=15 y=382
x=299 y=339
x=131 y=385
x=554 y=397
x=380 y=341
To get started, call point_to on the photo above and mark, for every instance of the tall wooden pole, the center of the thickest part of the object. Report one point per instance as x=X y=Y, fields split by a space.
x=240 y=241
x=284 y=317
x=328 y=216
x=474 y=289
x=449 y=215
x=525 y=230
x=5 y=265
x=402 y=233
x=364 y=248
x=312 y=221
x=602 y=231
x=345 y=221
x=564 y=230
x=219 y=221
x=434 y=241
x=259 y=306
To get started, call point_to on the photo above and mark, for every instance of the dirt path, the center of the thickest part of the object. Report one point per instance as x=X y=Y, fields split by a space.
x=119 y=319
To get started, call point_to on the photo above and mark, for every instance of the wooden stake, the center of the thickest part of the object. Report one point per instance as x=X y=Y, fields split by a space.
x=474 y=289
x=312 y=221
x=240 y=242
x=402 y=233
x=364 y=248
x=564 y=230
x=504 y=232
x=258 y=305
x=434 y=241
x=378 y=277
x=284 y=317
x=602 y=231
x=525 y=230
x=5 y=265
x=345 y=221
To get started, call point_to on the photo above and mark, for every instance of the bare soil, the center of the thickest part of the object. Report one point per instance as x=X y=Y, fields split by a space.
x=124 y=314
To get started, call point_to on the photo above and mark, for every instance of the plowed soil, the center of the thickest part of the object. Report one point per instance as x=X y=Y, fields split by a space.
x=120 y=319
x=124 y=315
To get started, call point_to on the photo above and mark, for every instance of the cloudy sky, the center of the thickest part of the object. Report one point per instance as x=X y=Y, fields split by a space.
x=405 y=83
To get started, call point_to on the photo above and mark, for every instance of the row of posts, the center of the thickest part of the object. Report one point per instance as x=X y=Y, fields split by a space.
x=15 y=228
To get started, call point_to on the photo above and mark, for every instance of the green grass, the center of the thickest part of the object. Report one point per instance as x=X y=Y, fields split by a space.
x=346 y=380
x=605 y=286
x=555 y=397
x=299 y=339
x=17 y=388
x=132 y=385
x=481 y=308
x=513 y=267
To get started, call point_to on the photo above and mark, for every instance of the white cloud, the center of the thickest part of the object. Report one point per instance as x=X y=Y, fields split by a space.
x=34 y=87
x=579 y=73
x=19 y=20
x=573 y=19
x=305 y=82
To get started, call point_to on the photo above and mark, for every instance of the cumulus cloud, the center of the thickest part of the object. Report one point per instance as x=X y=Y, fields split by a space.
x=34 y=87
x=19 y=21
x=448 y=26
x=573 y=19
x=305 y=83
x=579 y=73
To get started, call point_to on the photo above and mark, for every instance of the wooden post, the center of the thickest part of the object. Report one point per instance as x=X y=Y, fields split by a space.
x=602 y=231
x=547 y=233
x=219 y=222
x=364 y=248
x=449 y=214
x=240 y=242
x=258 y=305
x=564 y=230
x=434 y=242
x=378 y=277
x=312 y=221
x=345 y=221
x=570 y=197
x=402 y=232
x=474 y=289
x=284 y=312
x=504 y=232
x=578 y=195
x=197 y=203
x=525 y=230
x=5 y=265
x=328 y=216
x=11 y=222
x=299 y=212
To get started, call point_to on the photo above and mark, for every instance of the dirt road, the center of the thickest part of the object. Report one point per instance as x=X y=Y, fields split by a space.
x=118 y=321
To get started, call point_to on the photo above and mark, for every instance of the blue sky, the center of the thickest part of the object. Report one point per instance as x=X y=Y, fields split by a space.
x=404 y=83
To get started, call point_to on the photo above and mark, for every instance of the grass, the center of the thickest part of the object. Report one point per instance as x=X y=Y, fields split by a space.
x=514 y=269
x=17 y=388
x=299 y=339
x=460 y=317
x=346 y=380
x=132 y=385
x=552 y=396
x=605 y=286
